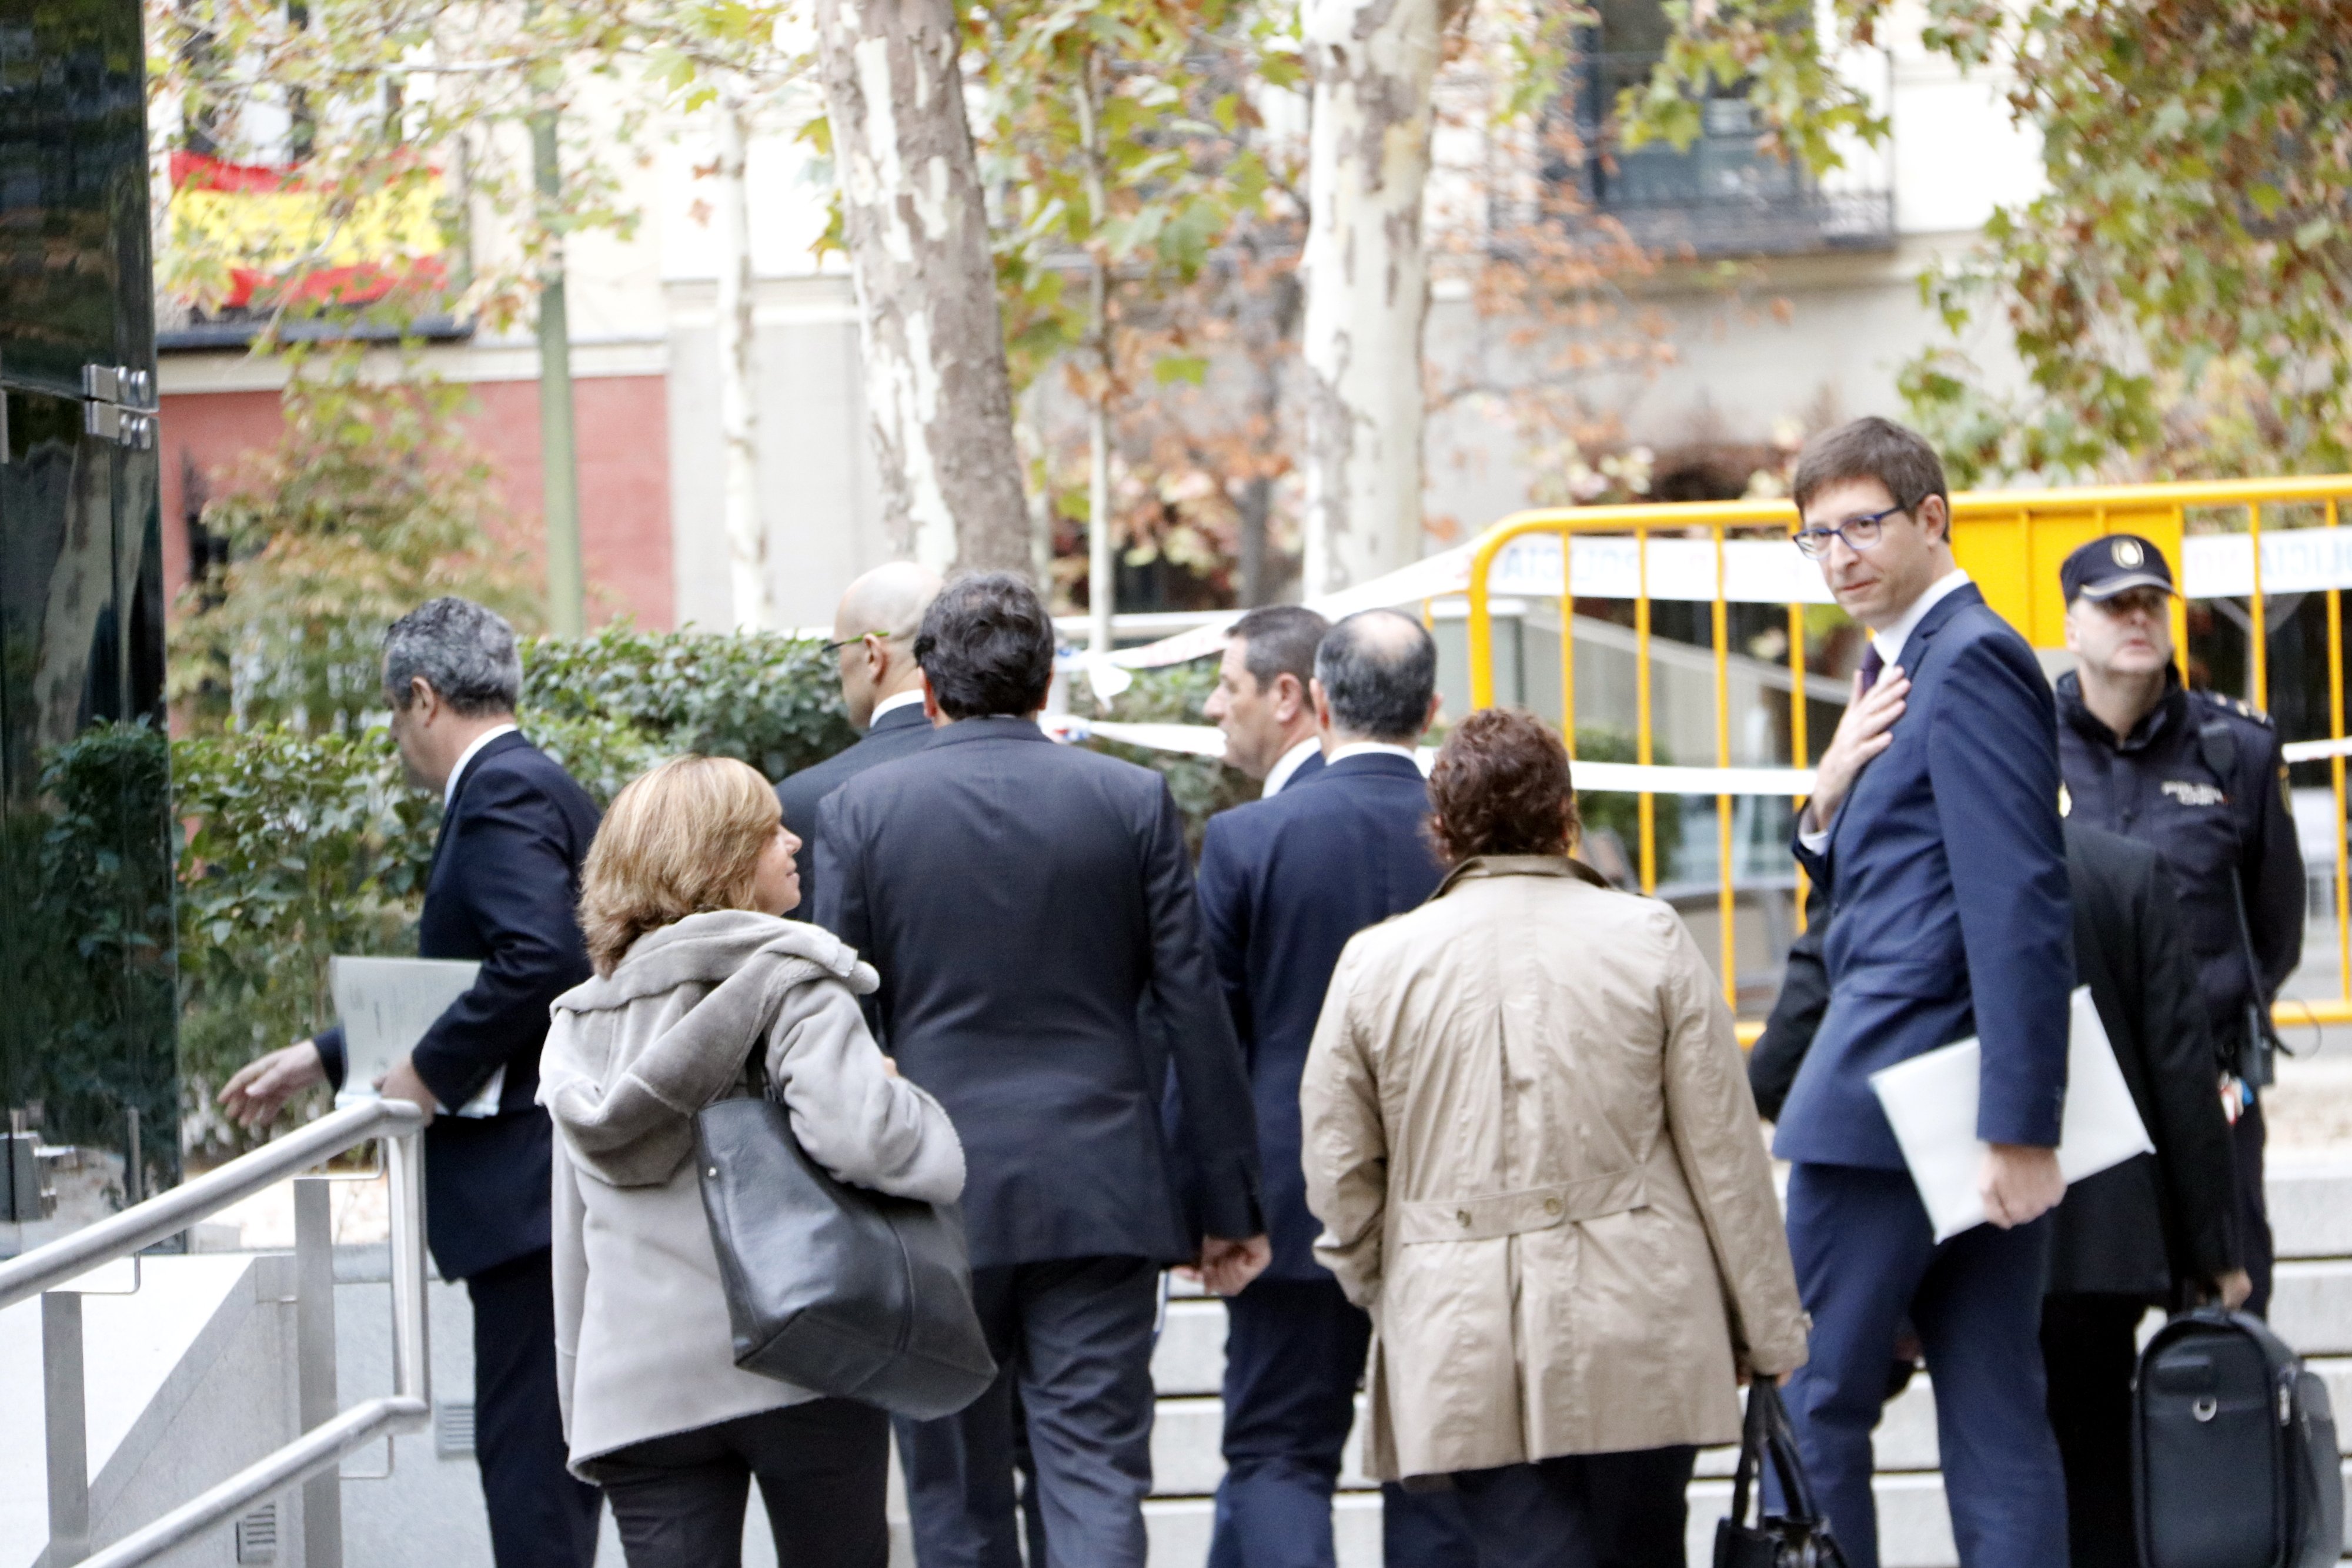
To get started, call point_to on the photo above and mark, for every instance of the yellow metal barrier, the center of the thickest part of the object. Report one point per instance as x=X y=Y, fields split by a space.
x=2010 y=542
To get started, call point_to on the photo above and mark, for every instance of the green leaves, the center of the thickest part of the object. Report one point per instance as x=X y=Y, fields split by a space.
x=302 y=845
x=2179 y=292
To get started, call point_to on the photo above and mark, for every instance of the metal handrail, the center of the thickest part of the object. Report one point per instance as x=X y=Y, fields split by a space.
x=409 y=1405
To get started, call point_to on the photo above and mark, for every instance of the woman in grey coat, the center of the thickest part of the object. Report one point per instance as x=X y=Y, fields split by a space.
x=682 y=905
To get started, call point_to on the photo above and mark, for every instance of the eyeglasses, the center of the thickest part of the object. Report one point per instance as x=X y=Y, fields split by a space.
x=832 y=648
x=1859 y=534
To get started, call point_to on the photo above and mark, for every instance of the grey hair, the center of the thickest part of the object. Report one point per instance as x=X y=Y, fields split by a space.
x=464 y=651
x=1379 y=671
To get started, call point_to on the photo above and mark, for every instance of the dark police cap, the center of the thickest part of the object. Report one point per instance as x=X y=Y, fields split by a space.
x=2109 y=566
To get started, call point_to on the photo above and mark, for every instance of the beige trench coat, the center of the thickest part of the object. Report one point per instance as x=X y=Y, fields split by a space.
x=1529 y=1139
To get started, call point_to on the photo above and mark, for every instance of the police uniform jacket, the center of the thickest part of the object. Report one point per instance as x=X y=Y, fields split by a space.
x=2200 y=779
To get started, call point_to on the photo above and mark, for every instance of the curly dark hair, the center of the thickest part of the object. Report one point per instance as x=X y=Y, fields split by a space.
x=1501 y=787
x=987 y=644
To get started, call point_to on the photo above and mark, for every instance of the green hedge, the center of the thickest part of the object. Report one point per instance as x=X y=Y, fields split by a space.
x=298 y=846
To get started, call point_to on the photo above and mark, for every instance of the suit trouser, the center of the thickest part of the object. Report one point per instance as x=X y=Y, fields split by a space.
x=1293 y=1354
x=540 y=1516
x=1075 y=1336
x=1866 y=1255
x=824 y=1470
x=1581 y=1510
x=2089 y=1349
x=2247 y=1137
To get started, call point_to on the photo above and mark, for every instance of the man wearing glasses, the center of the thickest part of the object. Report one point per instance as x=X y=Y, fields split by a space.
x=881 y=687
x=1933 y=830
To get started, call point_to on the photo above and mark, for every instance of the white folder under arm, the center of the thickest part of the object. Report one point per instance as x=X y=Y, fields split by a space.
x=1931 y=1102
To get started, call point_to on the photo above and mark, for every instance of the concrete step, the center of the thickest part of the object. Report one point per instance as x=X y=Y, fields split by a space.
x=2311 y=1208
x=1191 y=1356
x=2311 y=1306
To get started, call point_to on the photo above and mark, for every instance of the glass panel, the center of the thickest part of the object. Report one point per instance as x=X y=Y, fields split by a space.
x=74 y=279
x=87 y=1037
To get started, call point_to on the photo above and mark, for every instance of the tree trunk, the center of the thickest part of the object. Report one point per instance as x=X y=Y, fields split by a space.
x=739 y=406
x=918 y=233
x=1374 y=64
x=1271 y=320
x=1102 y=575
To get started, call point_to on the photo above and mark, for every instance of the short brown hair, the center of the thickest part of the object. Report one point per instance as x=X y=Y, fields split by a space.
x=1872 y=448
x=683 y=837
x=1501 y=787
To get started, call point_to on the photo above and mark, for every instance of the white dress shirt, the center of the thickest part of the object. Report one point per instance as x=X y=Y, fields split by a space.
x=1890 y=643
x=1295 y=759
x=458 y=774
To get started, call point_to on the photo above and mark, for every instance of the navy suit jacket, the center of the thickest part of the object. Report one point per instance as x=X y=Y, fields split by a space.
x=1950 y=914
x=1308 y=767
x=1023 y=902
x=504 y=890
x=889 y=737
x=1284 y=884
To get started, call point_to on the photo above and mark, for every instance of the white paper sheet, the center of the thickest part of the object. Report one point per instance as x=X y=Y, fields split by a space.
x=1931 y=1101
x=386 y=1005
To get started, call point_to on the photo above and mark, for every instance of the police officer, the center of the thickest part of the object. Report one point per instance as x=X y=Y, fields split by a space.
x=2198 y=778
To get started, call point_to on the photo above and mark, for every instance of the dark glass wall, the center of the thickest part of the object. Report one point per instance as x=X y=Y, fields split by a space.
x=86 y=983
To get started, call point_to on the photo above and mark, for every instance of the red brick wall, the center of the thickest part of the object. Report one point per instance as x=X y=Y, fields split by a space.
x=622 y=441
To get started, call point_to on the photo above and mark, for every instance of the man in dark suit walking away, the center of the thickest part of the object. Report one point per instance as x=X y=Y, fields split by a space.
x=1022 y=901
x=1285 y=882
x=503 y=890
x=1262 y=702
x=1934 y=830
x=881 y=687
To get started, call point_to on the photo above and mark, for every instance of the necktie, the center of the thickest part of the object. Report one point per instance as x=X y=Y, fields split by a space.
x=1872 y=665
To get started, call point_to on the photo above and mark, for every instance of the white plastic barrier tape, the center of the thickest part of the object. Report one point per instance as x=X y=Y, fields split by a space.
x=1615 y=777
x=2315 y=751
x=1754 y=571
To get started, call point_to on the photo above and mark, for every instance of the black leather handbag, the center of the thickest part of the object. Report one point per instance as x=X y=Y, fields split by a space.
x=1797 y=1539
x=832 y=1288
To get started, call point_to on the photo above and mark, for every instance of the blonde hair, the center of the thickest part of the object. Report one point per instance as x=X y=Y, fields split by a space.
x=683 y=837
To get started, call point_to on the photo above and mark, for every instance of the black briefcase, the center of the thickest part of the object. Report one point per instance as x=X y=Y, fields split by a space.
x=2233 y=1449
x=832 y=1288
x=1799 y=1537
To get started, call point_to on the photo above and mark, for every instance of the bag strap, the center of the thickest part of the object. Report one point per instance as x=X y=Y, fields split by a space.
x=1796 y=1492
x=1753 y=1439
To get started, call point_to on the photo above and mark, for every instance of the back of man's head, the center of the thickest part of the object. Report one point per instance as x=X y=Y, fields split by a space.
x=1871 y=448
x=1279 y=640
x=464 y=651
x=887 y=602
x=987 y=646
x=1378 y=672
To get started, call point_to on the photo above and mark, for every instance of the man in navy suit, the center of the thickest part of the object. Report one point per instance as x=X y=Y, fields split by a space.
x=1934 y=830
x=1262 y=701
x=503 y=889
x=1285 y=882
x=881 y=688
x=1022 y=900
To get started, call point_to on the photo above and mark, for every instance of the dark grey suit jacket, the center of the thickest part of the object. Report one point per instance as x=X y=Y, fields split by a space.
x=1021 y=901
x=891 y=737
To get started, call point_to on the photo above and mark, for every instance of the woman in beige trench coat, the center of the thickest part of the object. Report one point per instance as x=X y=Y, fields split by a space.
x=1529 y=1139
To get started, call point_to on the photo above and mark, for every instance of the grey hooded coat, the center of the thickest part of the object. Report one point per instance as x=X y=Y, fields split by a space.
x=643 y=1344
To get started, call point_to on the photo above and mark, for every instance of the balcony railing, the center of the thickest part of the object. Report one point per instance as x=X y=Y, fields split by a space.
x=1723 y=194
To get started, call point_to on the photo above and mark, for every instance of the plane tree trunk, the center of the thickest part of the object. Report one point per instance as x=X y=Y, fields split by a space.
x=929 y=333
